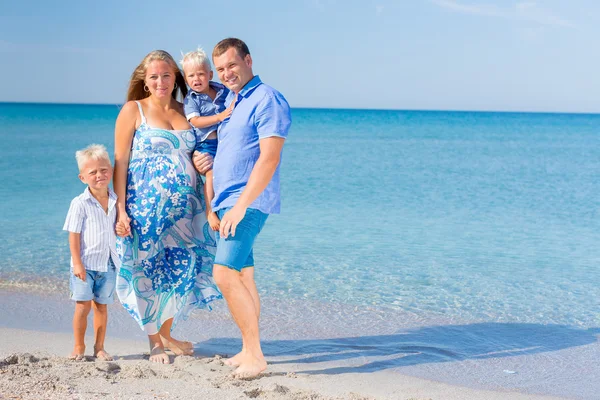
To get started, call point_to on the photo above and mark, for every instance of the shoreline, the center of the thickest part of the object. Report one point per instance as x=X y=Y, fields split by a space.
x=325 y=366
x=32 y=366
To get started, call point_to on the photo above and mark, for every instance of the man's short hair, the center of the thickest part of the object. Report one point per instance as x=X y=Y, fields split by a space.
x=228 y=43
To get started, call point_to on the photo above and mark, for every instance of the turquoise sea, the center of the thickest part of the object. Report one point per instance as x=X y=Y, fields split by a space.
x=456 y=246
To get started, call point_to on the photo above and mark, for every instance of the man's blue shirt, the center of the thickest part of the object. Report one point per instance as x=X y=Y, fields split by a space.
x=261 y=112
x=201 y=105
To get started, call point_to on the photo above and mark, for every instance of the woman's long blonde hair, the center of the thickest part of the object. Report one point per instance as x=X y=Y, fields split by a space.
x=136 y=83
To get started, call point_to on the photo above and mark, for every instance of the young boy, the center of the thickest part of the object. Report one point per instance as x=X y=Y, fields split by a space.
x=204 y=107
x=91 y=226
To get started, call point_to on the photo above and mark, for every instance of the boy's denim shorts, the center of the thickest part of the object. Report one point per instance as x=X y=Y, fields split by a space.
x=208 y=146
x=236 y=252
x=98 y=286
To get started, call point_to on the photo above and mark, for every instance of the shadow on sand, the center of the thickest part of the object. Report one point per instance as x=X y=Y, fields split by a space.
x=424 y=345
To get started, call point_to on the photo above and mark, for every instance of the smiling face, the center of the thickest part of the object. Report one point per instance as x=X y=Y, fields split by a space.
x=234 y=71
x=96 y=173
x=197 y=77
x=160 y=78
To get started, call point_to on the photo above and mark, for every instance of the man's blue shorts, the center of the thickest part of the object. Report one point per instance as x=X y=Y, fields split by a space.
x=236 y=252
x=208 y=146
x=98 y=286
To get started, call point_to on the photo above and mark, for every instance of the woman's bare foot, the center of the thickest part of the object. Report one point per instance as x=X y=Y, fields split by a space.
x=234 y=361
x=158 y=355
x=177 y=346
x=78 y=353
x=102 y=355
x=250 y=367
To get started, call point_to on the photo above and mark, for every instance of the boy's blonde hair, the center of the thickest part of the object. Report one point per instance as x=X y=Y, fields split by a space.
x=196 y=58
x=92 y=152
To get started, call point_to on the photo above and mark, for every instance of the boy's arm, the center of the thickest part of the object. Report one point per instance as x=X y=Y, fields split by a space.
x=75 y=247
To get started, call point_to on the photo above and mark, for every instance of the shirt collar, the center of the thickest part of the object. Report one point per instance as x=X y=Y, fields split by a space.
x=250 y=86
x=219 y=87
x=112 y=197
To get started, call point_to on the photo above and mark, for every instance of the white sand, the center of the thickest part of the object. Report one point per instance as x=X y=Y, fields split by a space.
x=33 y=366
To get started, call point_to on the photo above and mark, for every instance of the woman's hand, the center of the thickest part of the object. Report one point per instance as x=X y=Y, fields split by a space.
x=123 y=226
x=203 y=162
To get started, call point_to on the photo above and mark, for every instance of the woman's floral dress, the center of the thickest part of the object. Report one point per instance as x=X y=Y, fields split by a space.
x=166 y=267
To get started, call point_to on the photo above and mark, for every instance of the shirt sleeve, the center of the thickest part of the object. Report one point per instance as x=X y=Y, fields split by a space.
x=74 y=221
x=273 y=117
x=206 y=109
x=191 y=108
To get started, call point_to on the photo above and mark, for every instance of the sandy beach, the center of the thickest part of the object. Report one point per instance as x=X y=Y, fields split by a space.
x=36 y=338
x=33 y=366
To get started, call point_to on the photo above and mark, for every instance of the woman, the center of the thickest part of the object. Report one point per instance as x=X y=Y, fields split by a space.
x=166 y=248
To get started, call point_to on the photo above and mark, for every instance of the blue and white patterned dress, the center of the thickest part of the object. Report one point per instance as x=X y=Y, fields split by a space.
x=166 y=269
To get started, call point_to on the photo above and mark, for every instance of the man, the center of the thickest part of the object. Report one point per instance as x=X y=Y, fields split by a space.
x=246 y=185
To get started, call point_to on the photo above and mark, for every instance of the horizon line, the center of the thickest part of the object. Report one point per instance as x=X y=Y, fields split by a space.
x=339 y=108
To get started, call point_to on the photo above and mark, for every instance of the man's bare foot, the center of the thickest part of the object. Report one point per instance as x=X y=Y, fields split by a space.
x=234 y=361
x=102 y=355
x=250 y=367
x=177 y=346
x=158 y=355
x=78 y=353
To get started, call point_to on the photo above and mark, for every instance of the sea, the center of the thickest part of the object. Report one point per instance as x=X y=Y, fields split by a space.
x=461 y=247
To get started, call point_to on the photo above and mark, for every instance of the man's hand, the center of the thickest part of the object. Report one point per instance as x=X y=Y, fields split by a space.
x=79 y=271
x=230 y=221
x=203 y=162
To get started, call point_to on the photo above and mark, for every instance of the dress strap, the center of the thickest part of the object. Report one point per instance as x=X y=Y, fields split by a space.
x=141 y=112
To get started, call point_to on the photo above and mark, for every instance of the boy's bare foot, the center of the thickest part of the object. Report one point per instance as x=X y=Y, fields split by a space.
x=250 y=367
x=158 y=355
x=102 y=355
x=177 y=346
x=78 y=353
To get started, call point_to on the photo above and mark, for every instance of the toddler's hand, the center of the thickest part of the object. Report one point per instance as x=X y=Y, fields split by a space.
x=227 y=112
x=214 y=221
x=79 y=271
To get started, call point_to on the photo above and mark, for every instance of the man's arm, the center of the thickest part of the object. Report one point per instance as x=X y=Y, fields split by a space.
x=265 y=167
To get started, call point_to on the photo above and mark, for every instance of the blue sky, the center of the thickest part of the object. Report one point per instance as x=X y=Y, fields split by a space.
x=402 y=54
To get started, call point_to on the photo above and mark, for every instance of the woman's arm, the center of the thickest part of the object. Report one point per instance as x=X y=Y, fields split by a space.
x=124 y=130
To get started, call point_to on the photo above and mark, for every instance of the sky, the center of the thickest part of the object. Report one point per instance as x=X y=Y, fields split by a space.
x=496 y=55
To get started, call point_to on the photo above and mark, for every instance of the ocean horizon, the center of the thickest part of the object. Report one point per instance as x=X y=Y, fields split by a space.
x=458 y=246
x=348 y=109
